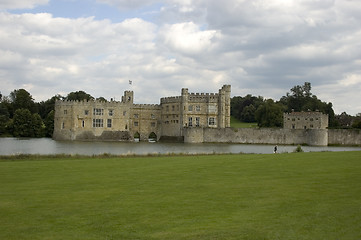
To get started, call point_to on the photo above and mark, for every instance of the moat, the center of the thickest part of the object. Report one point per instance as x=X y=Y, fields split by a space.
x=12 y=146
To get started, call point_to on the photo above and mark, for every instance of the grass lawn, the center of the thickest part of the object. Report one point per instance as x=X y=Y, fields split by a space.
x=235 y=123
x=275 y=196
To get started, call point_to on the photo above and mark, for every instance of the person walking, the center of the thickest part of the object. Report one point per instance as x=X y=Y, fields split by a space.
x=275 y=149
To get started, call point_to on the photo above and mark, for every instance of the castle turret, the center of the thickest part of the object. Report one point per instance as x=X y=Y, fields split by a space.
x=128 y=97
x=224 y=106
x=184 y=107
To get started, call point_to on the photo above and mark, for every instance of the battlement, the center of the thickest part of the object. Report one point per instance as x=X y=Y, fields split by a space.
x=176 y=99
x=203 y=96
x=147 y=106
x=87 y=103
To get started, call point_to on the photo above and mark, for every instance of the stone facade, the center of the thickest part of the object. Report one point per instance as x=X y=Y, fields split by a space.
x=124 y=120
x=305 y=120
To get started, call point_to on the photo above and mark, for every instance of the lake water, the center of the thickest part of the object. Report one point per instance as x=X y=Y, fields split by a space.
x=12 y=146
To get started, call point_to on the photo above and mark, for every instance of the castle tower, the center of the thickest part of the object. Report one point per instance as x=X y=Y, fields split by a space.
x=128 y=97
x=224 y=106
x=184 y=107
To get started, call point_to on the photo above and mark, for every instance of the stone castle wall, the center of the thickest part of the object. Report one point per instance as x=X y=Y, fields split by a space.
x=316 y=137
x=344 y=137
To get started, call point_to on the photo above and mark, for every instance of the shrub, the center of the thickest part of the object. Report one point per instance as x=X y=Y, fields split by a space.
x=298 y=149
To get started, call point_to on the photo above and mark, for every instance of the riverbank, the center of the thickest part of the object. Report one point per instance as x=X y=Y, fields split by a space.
x=237 y=196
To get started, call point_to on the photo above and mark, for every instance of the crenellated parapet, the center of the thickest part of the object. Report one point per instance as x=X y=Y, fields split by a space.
x=86 y=103
x=176 y=99
x=147 y=106
x=203 y=97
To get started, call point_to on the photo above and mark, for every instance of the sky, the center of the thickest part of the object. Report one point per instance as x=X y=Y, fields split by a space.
x=259 y=47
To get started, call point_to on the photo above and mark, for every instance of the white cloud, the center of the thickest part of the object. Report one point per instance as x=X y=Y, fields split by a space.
x=188 y=38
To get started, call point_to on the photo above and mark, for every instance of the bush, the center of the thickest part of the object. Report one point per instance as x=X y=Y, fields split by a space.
x=298 y=149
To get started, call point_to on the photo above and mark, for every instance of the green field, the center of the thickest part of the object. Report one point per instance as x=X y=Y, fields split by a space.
x=246 y=196
x=235 y=123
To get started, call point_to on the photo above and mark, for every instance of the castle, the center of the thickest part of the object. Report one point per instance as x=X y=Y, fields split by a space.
x=126 y=121
x=190 y=118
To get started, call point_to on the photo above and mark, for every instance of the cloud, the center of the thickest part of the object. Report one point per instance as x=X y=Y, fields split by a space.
x=187 y=38
x=259 y=47
x=20 y=4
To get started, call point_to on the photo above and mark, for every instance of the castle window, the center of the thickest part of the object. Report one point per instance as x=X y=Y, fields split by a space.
x=212 y=109
x=152 y=124
x=109 y=123
x=293 y=119
x=197 y=121
x=190 y=108
x=65 y=111
x=63 y=125
x=86 y=112
x=190 y=122
x=293 y=126
x=211 y=121
x=311 y=119
x=98 y=111
x=136 y=124
x=198 y=108
x=152 y=116
x=83 y=123
x=173 y=107
x=97 y=122
x=311 y=126
x=111 y=112
x=124 y=113
x=136 y=116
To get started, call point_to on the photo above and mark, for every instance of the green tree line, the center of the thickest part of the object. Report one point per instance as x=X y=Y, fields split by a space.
x=269 y=113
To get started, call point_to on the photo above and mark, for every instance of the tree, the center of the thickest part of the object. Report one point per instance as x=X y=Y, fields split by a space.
x=102 y=99
x=79 y=95
x=26 y=124
x=248 y=114
x=241 y=107
x=22 y=123
x=37 y=126
x=49 y=124
x=22 y=99
x=269 y=114
x=49 y=105
x=4 y=118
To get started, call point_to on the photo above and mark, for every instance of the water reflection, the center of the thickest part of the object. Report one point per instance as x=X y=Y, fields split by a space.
x=11 y=146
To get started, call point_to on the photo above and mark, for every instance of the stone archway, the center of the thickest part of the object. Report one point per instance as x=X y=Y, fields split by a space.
x=136 y=137
x=152 y=137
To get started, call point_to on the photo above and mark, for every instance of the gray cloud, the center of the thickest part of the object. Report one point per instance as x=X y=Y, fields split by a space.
x=260 y=47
